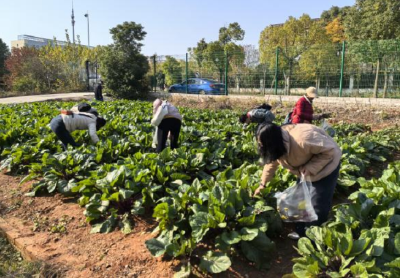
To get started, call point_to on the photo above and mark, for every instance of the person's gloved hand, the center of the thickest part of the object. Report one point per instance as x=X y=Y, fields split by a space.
x=318 y=117
x=326 y=115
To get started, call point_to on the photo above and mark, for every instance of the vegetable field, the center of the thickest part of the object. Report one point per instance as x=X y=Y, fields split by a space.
x=201 y=193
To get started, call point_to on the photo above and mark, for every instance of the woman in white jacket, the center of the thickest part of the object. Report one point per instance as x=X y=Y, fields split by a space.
x=168 y=120
x=64 y=124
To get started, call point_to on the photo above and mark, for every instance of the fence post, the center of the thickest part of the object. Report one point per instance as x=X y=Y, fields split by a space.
x=226 y=73
x=276 y=71
x=87 y=74
x=187 y=91
x=154 y=73
x=342 y=68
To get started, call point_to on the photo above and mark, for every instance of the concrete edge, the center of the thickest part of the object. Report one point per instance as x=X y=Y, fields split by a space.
x=18 y=241
x=42 y=98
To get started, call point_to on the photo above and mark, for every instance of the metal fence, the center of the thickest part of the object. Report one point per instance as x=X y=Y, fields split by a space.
x=349 y=69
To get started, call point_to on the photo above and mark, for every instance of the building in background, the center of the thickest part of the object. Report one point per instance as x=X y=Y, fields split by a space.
x=31 y=41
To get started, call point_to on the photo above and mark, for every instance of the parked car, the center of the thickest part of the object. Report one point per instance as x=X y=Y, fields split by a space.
x=200 y=86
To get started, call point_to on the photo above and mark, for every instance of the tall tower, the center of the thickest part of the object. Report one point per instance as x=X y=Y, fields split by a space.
x=73 y=23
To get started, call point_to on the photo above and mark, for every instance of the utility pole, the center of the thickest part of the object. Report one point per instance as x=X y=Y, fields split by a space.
x=73 y=23
x=88 y=34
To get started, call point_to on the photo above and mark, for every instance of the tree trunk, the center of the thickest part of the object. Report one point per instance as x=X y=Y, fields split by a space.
x=287 y=85
x=351 y=85
x=265 y=73
x=376 y=79
x=288 y=78
x=317 y=82
x=390 y=81
x=386 y=84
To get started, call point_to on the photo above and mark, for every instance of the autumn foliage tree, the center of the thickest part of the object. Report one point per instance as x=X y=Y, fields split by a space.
x=293 y=39
x=4 y=53
x=23 y=68
x=335 y=30
x=52 y=68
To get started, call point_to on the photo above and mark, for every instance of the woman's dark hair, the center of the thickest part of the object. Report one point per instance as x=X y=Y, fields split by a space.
x=271 y=145
x=100 y=122
x=243 y=118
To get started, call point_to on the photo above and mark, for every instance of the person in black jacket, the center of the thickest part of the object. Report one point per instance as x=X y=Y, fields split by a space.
x=98 y=91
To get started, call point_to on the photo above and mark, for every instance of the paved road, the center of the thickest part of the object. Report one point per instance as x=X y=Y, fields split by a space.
x=36 y=98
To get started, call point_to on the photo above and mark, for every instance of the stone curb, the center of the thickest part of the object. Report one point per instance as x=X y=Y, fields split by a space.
x=21 y=242
x=41 y=98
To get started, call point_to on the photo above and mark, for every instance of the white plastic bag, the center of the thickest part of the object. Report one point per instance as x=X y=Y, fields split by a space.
x=328 y=128
x=294 y=204
x=160 y=114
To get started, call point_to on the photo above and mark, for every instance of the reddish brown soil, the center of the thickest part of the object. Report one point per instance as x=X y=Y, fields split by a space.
x=377 y=118
x=81 y=254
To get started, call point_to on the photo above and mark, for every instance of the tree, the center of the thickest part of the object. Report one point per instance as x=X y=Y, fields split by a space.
x=319 y=60
x=214 y=56
x=198 y=52
x=293 y=38
x=23 y=66
x=172 y=71
x=211 y=56
x=251 y=56
x=374 y=20
x=123 y=67
x=335 y=30
x=335 y=12
x=231 y=33
x=128 y=36
x=382 y=54
x=4 y=53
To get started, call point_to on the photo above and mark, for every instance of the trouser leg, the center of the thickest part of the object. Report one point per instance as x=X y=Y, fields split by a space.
x=175 y=130
x=162 y=135
x=58 y=126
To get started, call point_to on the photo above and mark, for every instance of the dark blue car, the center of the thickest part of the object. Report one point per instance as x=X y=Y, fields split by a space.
x=200 y=86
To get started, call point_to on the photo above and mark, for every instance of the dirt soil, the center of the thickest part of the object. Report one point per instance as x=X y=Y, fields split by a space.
x=53 y=229
x=377 y=118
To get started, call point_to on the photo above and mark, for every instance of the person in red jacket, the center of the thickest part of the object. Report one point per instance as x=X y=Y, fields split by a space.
x=303 y=111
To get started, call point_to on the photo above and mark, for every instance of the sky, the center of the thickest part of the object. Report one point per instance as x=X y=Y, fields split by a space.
x=171 y=25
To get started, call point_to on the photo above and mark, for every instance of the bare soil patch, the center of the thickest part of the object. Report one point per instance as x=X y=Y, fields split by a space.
x=376 y=117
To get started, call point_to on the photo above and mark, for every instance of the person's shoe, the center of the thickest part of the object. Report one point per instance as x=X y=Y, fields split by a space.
x=294 y=236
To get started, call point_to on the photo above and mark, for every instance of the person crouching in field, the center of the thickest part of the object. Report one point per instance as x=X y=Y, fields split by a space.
x=302 y=149
x=258 y=115
x=303 y=112
x=167 y=120
x=261 y=114
x=69 y=121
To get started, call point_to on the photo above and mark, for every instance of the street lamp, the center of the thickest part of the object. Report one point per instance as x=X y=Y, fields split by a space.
x=88 y=34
